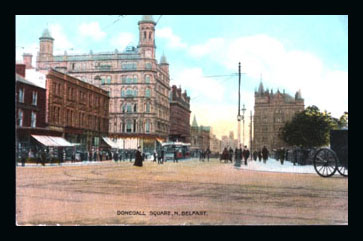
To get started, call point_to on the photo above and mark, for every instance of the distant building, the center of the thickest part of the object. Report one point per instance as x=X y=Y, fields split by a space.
x=215 y=144
x=229 y=141
x=272 y=111
x=138 y=85
x=179 y=115
x=200 y=136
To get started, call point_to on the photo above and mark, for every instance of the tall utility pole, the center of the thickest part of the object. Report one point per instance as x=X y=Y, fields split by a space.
x=239 y=108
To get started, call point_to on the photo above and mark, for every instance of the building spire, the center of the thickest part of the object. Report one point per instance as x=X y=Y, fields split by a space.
x=194 y=124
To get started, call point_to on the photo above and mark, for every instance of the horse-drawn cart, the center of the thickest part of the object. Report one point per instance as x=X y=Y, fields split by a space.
x=329 y=160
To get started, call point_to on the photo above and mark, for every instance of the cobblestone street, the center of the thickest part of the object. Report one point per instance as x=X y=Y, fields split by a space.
x=184 y=193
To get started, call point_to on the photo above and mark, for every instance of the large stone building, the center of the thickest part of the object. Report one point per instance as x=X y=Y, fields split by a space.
x=138 y=85
x=272 y=111
x=77 y=109
x=179 y=115
x=200 y=136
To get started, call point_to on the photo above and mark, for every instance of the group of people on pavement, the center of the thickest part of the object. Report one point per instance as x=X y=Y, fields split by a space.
x=261 y=154
x=204 y=154
x=241 y=154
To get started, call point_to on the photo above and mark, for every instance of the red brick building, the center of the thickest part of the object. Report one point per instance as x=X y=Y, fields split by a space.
x=78 y=109
x=30 y=109
x=179 y=115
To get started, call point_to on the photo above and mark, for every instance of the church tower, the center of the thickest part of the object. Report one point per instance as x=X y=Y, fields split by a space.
x=147 y=37
x=46 y=47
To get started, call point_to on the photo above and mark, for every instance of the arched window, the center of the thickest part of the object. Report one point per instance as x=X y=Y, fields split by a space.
x=135 y=92
x=134 y=126
x=147 y=107
x=135 y=78
x=128 y=108
x=135 y=108
x=149 y=35
x=144 y=34
x=108 y=79
x=122 y=93
x=147 y=92
x=147 y=79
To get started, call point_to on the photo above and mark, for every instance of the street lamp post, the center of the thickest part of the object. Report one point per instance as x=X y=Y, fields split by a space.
x=239 y=100
x=243 y=119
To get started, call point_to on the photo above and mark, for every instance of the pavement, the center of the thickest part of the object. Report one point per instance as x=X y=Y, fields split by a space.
x=185 y=193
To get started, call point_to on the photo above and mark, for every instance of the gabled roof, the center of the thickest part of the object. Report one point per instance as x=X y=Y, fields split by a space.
x=21 y=79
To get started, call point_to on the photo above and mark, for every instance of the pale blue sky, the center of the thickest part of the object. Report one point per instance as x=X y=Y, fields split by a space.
x=291 y=52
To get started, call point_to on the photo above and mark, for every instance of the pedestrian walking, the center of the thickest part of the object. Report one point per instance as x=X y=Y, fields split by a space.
x=231 y=154
x=175 y=156
x=162 y=156
x=255 y=155
x=138 y=158
x=246 y=154
x=155 y=154
x=208 y=153
x=238 y=156
x=23 y=158
x=265 y=153
x=43 y=157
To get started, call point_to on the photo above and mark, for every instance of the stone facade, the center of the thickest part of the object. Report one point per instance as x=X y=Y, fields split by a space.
x=138 y=85
x=215 y=144
x=78 y=109
x=272 y=111
x=179 y=115
x=200 y=136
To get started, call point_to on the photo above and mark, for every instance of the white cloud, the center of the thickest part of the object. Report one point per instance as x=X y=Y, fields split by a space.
x=201 y=88
x=61 y=41
x=91 y=30
x=174 y=41
x=281 y=68
x=121 y=40
x=210 y=46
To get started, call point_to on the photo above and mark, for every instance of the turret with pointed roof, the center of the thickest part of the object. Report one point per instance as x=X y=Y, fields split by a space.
x=194 y=124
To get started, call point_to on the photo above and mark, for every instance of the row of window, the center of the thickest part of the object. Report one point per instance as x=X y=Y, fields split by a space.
x=132 y=108
x=21 y=95
x=33 y=119
x=125 y=79
x=131 y=126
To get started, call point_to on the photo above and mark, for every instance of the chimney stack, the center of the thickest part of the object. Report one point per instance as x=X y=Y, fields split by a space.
x=27 y=60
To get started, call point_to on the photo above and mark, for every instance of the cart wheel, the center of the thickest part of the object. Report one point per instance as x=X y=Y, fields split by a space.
x=325 y=162
x=343 y=168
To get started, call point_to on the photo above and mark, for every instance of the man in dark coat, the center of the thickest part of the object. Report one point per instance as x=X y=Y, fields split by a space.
x=207 y=152
x=255 y=155
x=259 y=156
x=231 y=154
x=44 y=157
x=115 y=156
x=264 y=153
x=246 y=154
x=162 y=156
x=175 y=155
x=154 y=154
x=138 y=158
x=238 y=156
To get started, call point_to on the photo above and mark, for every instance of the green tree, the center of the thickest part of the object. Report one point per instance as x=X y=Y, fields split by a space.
x=309 y=128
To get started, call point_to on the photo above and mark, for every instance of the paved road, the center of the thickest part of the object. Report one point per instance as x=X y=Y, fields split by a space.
x=184 y=193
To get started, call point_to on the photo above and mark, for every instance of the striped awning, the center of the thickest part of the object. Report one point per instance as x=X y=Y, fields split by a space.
x=52 y=141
